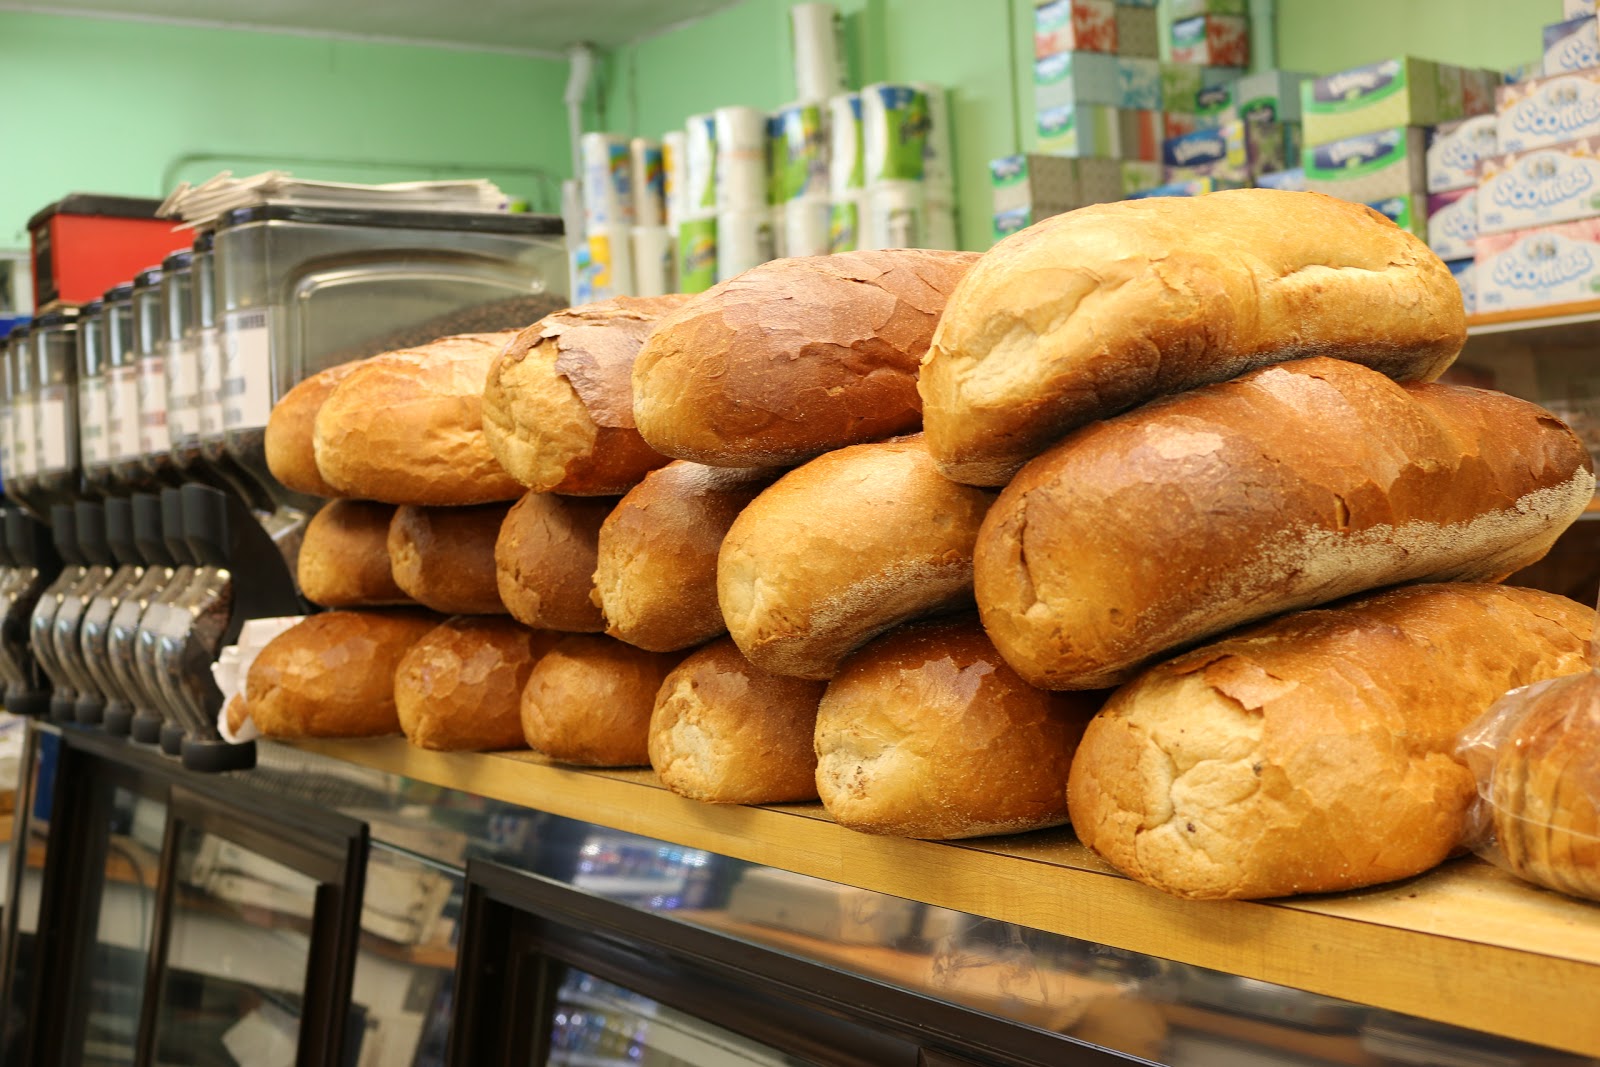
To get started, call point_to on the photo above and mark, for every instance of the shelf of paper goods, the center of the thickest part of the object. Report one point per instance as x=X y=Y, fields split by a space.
x=1534 y=318
x=1465 y=944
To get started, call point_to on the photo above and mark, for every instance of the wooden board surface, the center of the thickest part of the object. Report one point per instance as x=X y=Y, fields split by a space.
x=1534 y=315
x=1466 y=945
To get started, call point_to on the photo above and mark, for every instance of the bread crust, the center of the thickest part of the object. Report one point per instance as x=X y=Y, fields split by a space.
x=544 y=561
x=459 y=688
x=443 y=558
x=344 y=558
x=588 y=701
x=290 y=448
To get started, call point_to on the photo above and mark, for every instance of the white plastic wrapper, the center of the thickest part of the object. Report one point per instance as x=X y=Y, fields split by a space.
x=233 y=666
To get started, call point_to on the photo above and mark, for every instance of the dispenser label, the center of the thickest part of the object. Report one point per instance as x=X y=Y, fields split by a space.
x=153 y=436
x=210 y=360
x=246 y=370
x=51 y=451
x=183 y=390
x=92 y=420
x=22 y=465
x=122 y=413
x=8 y=445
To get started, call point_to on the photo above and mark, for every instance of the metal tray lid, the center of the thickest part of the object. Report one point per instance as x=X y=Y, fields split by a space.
x=486 y=222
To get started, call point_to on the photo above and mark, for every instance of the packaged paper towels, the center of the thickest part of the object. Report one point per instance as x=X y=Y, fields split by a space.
x=607 y=179
x=894 y=131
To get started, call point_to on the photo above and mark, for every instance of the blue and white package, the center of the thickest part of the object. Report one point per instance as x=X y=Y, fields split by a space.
x=1455 y=148
x=1368 y=167
x=1572 y=45
x=1138 y=83
x=1293 y=180
x=1453 y=223
x=1410 y=212
x=1571 y=9
x=1541 y=187
x=1465 y=273
x=1547 y=111
x=1534 y=268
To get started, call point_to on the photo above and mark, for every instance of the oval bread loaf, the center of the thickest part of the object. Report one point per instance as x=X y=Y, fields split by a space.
x=927 y=733
x=558 y=406
x=1315 y=752
x=842 y=549
x=344 y=558
x=1091 y=312
x=290 y=449
x=459 y=688
x=588 y=701
x=1294 y=485
x=794 y=358
x=544 y=561
x=444 y=557
x=656 y=570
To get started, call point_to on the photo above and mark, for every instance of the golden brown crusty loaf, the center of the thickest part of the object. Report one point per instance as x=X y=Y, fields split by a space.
x=725 y=731
x=794 y=358
x=843 y=548
x=1295 y=485
x=544 y=561
x=1315 y=752
x=344 y=558
x=406 y=427
x=588 y=701
x=459 y=689
x=558 y=406
x=444 y=557
x=656 y=571
x=291 y=456
x=332 y=675
x=927 y=733
x=1089 y=313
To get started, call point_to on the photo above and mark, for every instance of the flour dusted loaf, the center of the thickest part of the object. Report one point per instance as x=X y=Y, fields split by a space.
x=794 y=358
x=725 y=731
x=1315 y=752
x=927 y=733
x=842 y=549
x=1295 y=485
x=406 y=427
x=291 y=454
x=1091 y=312
x=588 y=701
x=332 y=675
x=558 y=406
x=444 y=557
x=656 y=570
x=544 y=561
x=344 y=558
x=459 y=688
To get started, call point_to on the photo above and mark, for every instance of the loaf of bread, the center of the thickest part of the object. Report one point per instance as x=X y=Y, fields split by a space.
x=332 y=675
x=1295 y=485
x=291 y=457
x=459 y=689
x=842 y=549
x=558 y=407
x=588 y=701
x=1089 y=313
x=656 y=572
x=794 y=358
x=344 y=558
x=727 y=732
x=1315 y=752
x=443 y=558
x=544 y=561
x=407 y=428
x=927 y=733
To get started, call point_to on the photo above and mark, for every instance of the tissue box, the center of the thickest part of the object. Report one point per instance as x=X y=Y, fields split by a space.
x=1067 y=79
x=1178 y=123
x=1188 y=9
x=1181 y=84
x=1083 y=130
x=1140 y=134
x=1271 y=96
x=1571 y=45
x=1478 y=87
x=1213 y=102
x=1007 y=223
x=1547 y=185
x=1523 y=72
x=1571 y=9
x=1293 y=180
x=1407 y=212
x=1465 y=273
x=1455 y=148
x=1212 y=40
x=1383 y=95
x=1547 y=111
x=1195 y=187
x=1074 y=26
x=1372 y=166
x=1151 y=4
x=1453 y=223
x=1220 y=153
x=1138 y=83
x=1531 y=268
x=1049 y=185
x=1137 y=32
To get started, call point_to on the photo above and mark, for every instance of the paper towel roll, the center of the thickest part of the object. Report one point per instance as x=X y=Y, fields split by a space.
x=894 y=132
x=580 y=274
x=607 y=179
x=802 y=151
x=806 y=226
x=744 y=240
x=649 y=182
x=844 y=222
x=938 y=164
x=939 y=222
x=741 y=159
x=700 y=165
x=780 y=240
x=611 y=256
x=675 y=178
x=845 y=163
x=654 y=256
x=697 y=253
x=895 y=217
x=818 y=50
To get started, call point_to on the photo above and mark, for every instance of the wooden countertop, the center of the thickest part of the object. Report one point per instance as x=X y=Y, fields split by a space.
x=1466 y=944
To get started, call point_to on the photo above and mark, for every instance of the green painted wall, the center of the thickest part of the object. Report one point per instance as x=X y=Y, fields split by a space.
x=96 y=105
x=1322 y=36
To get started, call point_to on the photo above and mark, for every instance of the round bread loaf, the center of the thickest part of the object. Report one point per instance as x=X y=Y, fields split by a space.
x=728 y=732
x=656 y=570
x=927 y=733
x=794 y=358
x=544 y=561
x=558 y=406
x=842 y=549
x=344 y=558
x=443 y=558
x=332 y=675
x=406 y=427
x=291 y=455
x=459 y=689
x=237 y=712
x=588 y=701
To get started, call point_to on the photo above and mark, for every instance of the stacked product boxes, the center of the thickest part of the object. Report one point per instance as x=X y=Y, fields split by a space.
x=1249 y=133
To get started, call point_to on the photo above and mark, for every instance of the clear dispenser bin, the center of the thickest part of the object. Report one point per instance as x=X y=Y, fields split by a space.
x=23 y=485
x=208 y=348
x=11 y=349
x=55 y=359
x=122 y=390
x=91 y=420
x=181 y=357
x=155 y=442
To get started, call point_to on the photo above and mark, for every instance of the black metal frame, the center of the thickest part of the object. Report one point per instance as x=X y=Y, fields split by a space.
x=520 y=931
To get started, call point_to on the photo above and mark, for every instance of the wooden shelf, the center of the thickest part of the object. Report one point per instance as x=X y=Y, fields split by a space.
x=1466 y=944
x=1534 y=317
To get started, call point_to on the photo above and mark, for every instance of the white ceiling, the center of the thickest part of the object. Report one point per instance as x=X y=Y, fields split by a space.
x=540 y=26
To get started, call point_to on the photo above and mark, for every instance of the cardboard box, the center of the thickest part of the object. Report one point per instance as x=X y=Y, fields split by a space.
x=1453 y=223
x=1382 y=95
x=1195 y=187
x=1521 y=191
x=1532 y=268
x=1478 y=87
x=1049 y=185
x=1140 y=134
x=1571 y=9
x=1007 y=223
x=1271 y=96
x=1370 y=166
x=1181 y=84
x=1455 y=148
x=1220 y=153
x=1138 y=83
x=1188 y=9
x=1523 y=72
x=1465 y=273
x=1409 y=212
x=1293 y=180
x=1068 y=79
x=1212 y=40
x=1571 y=45
x=1548 y=111
x=1074 y=26
x=1138 y=32
x=1214 y=102
x=1178 y=123
x=1090 y=130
